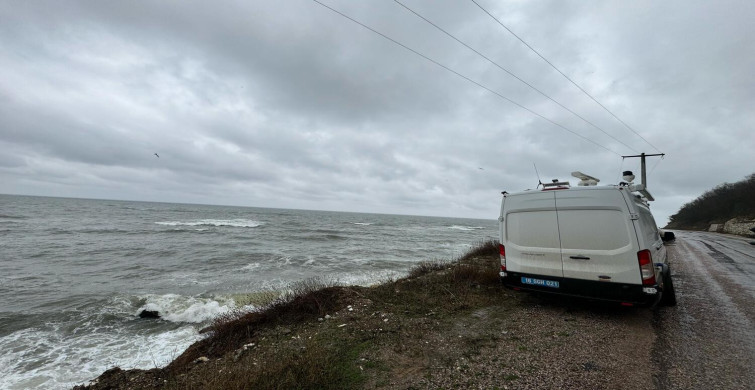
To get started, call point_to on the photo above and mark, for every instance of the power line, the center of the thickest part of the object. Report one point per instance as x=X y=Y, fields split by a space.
x=565 y=76
x=655 y=165
x=512 y=74
x=464 y=77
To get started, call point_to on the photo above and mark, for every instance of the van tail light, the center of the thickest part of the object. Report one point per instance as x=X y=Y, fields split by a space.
x=502 y=252
x=647 y=271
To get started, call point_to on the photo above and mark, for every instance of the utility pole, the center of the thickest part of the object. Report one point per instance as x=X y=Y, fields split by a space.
x=643 y=172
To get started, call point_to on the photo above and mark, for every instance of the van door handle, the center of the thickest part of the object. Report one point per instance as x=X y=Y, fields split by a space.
x=580 y=257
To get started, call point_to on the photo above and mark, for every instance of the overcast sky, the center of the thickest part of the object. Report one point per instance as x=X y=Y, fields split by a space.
x=288 y=104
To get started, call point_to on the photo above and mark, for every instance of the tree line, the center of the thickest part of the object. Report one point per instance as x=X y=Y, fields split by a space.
x=722 y=203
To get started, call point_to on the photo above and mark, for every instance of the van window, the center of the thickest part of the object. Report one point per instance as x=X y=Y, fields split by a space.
x=593 y=229
x=649 y=230
x=537 y=229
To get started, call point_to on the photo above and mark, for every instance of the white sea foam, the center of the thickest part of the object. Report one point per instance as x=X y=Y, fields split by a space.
x=251 y=267
x=283 y=261
x=466 y=228
x=363 y=223
x=368 y=278
x=187 y=279
x=51 y=358
x=243 y=223
x=178 y=308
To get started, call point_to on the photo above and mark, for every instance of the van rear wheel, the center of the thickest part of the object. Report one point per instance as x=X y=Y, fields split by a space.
x=669 y=295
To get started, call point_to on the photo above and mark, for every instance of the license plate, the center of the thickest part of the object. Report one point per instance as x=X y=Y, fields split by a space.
x=540 y=282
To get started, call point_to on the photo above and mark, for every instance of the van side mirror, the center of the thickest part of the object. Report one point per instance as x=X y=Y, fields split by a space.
x=668 y=236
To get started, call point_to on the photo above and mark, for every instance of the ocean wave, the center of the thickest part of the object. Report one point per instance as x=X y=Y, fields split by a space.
x=466 y=228
x=62 y=359
x=324 y=237
x=179 y=308
x=8 y=216
x=362 y=223
x=283 y=261
x=59 y=231
x=179 y=230
x=106 y=231
x=251 y=267
x=243 y=223
x=76 y=344
x=187 y=279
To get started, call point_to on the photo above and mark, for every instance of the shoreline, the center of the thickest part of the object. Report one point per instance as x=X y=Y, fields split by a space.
x=446 y=324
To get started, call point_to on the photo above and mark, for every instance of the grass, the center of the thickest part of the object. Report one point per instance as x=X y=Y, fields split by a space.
x=444 y=285
x=427 y=267
x=482 y=249
x=306 y=300
x=257 y=299
x=470 y=261
x=318 y=363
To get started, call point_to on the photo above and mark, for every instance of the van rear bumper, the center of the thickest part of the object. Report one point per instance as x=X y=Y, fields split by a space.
x=604 y=291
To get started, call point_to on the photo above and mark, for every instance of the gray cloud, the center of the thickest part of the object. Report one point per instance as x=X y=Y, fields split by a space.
x=286 y=104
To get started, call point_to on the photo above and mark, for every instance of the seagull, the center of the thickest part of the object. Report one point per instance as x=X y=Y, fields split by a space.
x=158 y=156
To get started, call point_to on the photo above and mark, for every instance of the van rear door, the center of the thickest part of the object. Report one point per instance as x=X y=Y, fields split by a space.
x=530 y=234
x=597 y=236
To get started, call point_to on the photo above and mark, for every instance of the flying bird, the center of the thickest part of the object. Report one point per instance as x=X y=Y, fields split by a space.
x=158 y=156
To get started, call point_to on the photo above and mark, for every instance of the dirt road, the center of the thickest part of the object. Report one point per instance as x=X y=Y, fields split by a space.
x=708 y=340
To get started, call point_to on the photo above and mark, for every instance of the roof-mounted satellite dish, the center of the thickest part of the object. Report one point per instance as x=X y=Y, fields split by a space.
x=628 y=176
x=585 y=180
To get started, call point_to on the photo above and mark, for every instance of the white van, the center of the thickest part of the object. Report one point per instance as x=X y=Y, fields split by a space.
x=595 y=242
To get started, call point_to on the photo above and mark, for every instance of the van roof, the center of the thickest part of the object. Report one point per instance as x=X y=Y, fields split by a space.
x=566 y=188
x=638 y=199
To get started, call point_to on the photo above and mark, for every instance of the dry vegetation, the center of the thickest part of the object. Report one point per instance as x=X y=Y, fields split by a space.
x=722 y=203
x=446 y=325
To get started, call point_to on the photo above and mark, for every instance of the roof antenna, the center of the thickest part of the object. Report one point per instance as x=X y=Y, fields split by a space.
x=643 y=187
x=539 y=183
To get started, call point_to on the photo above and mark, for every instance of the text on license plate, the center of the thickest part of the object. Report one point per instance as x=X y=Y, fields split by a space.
x=540 y=282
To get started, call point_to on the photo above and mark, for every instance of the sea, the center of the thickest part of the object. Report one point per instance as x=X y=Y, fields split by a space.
x=76 y=273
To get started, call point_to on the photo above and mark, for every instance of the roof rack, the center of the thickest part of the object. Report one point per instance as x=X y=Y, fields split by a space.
x=556 y=185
